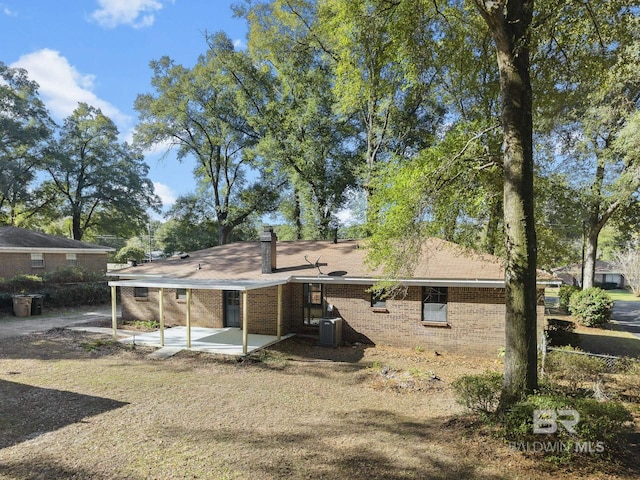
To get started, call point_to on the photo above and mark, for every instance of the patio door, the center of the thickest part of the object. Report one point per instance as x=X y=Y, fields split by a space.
x=232 y=308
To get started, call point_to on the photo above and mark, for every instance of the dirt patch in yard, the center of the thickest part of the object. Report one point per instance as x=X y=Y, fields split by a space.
x=76 y=405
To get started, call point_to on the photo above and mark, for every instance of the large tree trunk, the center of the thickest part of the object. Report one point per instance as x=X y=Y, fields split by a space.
x=590 y=253
x=76 y=228
x=509 y=22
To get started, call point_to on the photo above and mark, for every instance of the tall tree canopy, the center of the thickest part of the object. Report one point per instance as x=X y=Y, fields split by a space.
x=586 y=78
x=303 y=136
x=25 y=128
x=204 y=112
x=102 y=184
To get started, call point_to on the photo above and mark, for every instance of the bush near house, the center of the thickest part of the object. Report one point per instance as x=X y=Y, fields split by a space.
x=591 y=307
x=601 y=426
x=65 y=287
x=564 y=294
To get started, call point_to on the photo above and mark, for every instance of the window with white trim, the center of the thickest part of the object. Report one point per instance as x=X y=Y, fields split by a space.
x=72 y=259
x=37 y=260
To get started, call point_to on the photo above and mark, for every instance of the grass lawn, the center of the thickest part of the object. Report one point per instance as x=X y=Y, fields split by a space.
x=75 y=405
x=625 y=295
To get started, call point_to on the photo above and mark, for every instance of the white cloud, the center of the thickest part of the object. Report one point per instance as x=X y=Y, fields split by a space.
x=62 y=86
x=165 y=193
x=7 y=11
x=135 y=13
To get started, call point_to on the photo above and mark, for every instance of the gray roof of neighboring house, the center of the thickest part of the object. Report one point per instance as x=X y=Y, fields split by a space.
x=18 y=239
x=602 y=267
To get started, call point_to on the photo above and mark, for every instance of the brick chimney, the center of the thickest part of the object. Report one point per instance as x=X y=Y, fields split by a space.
x=268 y=241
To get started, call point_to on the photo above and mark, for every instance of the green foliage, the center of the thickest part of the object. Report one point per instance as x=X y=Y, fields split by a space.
x=22 y=284
x=71 y=275
x=147 y=324
x=25 y=126
x=591 y=307
x=101 y=183
x=601 y=425
x=561 y=332
x=205 y=113
x=575 y=370
x=564 y=294
x=64 y=287
x=479 y=393
x=130 y=253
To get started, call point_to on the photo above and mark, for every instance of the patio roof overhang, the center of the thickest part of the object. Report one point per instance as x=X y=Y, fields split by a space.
x=161 y=283
x=245 y=285
x=431 y=282
x=197 y=284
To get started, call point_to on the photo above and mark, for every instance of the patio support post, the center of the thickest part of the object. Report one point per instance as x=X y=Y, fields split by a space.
x=188 y=318
x=245 y=331
x=279 y=327
x=114 y=313
x=161 y=313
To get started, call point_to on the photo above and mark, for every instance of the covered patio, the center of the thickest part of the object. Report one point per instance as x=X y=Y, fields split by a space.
x=225 y=341
x=234 y=341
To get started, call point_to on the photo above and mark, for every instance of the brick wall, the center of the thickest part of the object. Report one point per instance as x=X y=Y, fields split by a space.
x=12 y=264
x=475 y=316
x=207 y=308
x=475 y=319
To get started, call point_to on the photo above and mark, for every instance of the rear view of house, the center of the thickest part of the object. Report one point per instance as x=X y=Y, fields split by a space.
x=453 y=302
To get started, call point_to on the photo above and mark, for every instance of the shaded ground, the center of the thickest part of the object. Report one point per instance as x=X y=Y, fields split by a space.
x=75 y=405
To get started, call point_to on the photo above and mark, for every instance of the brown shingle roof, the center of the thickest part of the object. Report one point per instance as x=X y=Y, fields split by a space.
x=242 y=261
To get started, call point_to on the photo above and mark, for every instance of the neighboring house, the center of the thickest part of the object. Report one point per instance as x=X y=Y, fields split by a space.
x=607 y=275
x=455 y=300
x=28 y=252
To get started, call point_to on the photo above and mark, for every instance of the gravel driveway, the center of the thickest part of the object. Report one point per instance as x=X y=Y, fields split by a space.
x=17 y=326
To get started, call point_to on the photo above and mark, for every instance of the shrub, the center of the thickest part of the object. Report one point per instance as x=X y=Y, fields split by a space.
x=126 y=254
x=72 y=275
x=564 y=294
x=561 y=332
x=600 y=426
x=479 y=393
x=575 y=369
x=23 y=284
x=591 y=307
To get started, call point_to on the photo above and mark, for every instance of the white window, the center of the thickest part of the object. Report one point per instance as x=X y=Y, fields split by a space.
x=37 y=260
x=72 y=259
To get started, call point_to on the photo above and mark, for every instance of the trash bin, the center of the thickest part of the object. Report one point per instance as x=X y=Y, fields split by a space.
x=330 y=332
x=36 y=304
x=22 y=305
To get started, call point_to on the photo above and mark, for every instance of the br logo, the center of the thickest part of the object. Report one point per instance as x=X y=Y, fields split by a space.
x=546 y=421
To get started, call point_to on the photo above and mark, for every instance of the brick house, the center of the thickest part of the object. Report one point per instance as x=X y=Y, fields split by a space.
x=29 y=252
x=454 y=301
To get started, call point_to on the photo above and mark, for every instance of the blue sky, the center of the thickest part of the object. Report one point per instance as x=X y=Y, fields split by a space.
x=98 y=52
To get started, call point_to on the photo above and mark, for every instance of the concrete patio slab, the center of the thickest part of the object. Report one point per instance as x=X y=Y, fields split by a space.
x=226 y=341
